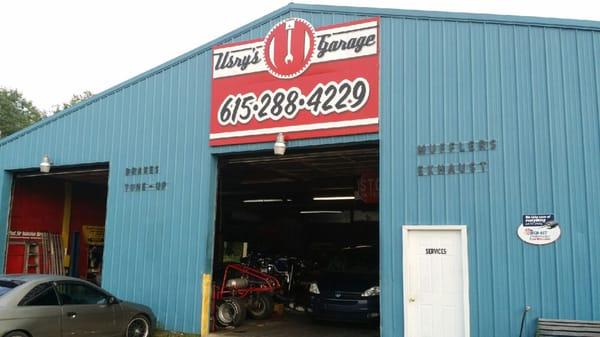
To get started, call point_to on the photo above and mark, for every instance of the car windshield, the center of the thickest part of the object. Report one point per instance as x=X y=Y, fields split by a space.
x=6 y=285
x=361 y=259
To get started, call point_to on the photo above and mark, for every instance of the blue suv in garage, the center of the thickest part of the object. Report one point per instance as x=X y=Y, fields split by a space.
x=348 y=288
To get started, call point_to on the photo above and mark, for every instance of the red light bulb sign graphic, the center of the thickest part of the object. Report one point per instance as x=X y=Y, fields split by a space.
x=297 y=80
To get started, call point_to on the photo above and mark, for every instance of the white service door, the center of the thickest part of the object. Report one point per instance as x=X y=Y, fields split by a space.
x=435 y=286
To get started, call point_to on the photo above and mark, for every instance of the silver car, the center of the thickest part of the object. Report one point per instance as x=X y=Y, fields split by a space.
x=59 y=306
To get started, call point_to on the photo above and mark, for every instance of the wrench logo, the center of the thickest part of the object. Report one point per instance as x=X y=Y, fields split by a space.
x=289 y=26
x=289 y=48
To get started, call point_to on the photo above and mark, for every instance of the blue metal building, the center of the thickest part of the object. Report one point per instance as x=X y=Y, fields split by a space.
x=529 y=84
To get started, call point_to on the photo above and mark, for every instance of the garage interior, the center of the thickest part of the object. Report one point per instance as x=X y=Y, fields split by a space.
x=56 y=222
x=288 y=216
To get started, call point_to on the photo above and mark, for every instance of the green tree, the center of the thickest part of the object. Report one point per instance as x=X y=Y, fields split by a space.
x=74 y=100
x=16 y=112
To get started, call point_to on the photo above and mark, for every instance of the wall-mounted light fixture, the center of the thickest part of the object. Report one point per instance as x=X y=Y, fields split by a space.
x=279 y=146
x=46 y=164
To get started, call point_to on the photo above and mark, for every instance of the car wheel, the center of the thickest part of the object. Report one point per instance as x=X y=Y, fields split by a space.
x=230 y=312
x=138 y=326
x=261 y=307
x=17 y=334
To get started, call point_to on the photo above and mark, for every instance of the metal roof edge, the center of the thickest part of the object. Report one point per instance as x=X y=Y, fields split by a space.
x=367 y=11
x=455 y=16
x=149 y=73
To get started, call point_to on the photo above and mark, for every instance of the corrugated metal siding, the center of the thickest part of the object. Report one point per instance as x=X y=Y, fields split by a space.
x=535 y=90
x=156 y=242
x=532 y=87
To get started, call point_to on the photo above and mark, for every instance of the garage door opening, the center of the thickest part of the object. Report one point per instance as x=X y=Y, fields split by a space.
x=56 y=222
x=297 y=244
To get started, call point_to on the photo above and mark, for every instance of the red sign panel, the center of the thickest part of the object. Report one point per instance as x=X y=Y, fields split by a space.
x=298 y=80
x=368 y=187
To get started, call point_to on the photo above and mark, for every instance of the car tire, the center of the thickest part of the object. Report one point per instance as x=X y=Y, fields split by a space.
x=17 y=334
x=230 y=312
x=138 y=326
x=261 y=306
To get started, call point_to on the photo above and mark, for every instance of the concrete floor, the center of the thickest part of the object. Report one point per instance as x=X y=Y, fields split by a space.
x=293 y=324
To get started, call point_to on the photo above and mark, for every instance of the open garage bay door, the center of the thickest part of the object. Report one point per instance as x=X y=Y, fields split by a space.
x=56 y=223
x=307 y=223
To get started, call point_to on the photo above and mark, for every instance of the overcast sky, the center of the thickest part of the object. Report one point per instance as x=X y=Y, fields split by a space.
x=52 y=49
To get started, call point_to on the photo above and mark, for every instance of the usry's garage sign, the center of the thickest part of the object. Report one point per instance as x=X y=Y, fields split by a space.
x=298 y=80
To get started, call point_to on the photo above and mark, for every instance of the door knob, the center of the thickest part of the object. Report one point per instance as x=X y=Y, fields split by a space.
x=411 y=300
x=71 y=314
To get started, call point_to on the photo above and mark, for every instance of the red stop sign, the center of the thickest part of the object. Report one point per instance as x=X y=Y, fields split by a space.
x=368 y=187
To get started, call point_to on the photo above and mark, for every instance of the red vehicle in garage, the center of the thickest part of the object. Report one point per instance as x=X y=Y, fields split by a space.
x=243 y=290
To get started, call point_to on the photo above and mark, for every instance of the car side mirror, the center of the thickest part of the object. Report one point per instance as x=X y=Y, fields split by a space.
x=112 y=300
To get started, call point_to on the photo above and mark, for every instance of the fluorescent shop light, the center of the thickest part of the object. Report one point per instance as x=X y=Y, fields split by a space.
x=349 y=197
x=321 y=212
x=250 y=201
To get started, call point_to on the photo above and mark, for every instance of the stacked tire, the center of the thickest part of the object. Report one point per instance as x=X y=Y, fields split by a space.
x=233 y=311
x=230 y=312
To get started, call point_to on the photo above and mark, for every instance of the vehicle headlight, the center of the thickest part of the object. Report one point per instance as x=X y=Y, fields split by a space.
x=314 y=289
x=373 y=291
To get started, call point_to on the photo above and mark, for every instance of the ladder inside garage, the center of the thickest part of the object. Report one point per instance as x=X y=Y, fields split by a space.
x=43 y=256
x=53 y=254
x=31 y=257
